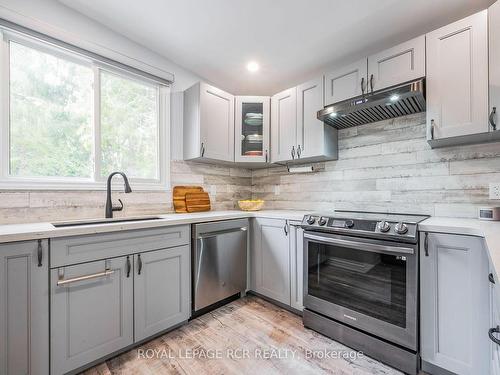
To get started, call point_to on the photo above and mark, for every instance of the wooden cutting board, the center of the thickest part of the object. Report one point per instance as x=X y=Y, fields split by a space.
x=197 y=202
x=179 y=196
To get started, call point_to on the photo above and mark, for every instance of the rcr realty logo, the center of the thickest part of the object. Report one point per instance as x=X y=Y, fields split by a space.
x=240 y=353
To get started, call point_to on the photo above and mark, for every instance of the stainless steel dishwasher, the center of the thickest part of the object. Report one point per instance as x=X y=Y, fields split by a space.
x=219 y=263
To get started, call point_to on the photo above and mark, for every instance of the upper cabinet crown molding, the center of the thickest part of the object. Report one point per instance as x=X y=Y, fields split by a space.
x=208 y=124
x=457 y=78
x=402 y=63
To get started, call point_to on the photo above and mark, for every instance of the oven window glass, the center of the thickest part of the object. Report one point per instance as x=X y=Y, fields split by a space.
x=373 y=284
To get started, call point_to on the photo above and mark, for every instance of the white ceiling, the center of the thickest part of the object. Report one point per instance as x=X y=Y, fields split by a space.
x=291 y=39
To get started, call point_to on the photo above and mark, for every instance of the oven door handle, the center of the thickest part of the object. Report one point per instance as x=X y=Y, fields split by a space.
x=360 y=245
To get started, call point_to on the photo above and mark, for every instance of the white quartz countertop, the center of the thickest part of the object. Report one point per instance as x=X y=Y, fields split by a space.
x=31 y=231
x=489 y=230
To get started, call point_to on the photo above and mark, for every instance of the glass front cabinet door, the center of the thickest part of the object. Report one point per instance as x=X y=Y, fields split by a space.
x=252 y=129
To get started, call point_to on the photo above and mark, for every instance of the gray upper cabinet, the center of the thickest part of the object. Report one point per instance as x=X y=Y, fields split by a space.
x=283 y=125
x=402 y=63
x=161 y=290
x=296 y=133
x=454 y=294
x=457 y=79
x=315 y=140
x=208 y=124
x=494 y=64
x=91 y=312
x=270 y=259
x=296 y=240
x=24 y=308
x=346 y=82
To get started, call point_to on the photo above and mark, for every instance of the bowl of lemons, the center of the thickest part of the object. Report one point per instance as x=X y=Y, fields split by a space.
x=251 y=204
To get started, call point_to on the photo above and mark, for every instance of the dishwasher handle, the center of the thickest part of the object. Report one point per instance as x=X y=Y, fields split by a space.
x=220 y=232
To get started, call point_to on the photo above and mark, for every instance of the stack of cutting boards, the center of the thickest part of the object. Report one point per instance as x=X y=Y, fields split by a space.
x=190 y=199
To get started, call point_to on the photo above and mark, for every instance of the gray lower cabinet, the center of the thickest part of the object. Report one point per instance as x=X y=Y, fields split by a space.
x=24 y=308
x=91 y=312
x=296 y=265
x=161 y=290
x=455 y=309
x=270 y=259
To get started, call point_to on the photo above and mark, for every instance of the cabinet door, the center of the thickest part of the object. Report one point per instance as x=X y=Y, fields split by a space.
x=252 y=129
x=346 y=82
x=494 y=52
x=217 y=123
x=399 y=64
x=271 y=259
x=284 y=125
x=454 y=303
x=161 y=290
x=310 y=133
x=24 y=308
x=296 y=265
x=457 y=78
x=92 y=316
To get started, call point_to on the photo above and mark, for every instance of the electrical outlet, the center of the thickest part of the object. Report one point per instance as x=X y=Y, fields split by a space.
x=276 y=190
x=495 y=190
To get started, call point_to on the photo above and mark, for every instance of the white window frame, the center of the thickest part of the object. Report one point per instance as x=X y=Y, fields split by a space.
x=96 y=181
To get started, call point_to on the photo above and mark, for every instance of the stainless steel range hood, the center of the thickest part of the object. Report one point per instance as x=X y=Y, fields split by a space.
x=380 y=105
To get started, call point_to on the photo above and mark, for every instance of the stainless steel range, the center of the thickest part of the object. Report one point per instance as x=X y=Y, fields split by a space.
x=361 y=282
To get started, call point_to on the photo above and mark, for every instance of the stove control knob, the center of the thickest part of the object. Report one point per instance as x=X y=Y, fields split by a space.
x=349 y=223
x=401 y=228
x=322 y=221
x=310 y=220
x=384 y=226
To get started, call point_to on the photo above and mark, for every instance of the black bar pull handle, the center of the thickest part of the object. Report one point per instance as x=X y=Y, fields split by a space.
x=491 y=119
x=426 y=244
x=491 y=331
x=129 y=266
x=39 y=253
x=139 y=264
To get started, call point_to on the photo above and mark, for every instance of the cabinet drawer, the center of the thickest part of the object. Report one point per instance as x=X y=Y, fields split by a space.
x=80 y=249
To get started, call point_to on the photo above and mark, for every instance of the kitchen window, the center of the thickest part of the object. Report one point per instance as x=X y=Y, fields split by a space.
x=68 y=120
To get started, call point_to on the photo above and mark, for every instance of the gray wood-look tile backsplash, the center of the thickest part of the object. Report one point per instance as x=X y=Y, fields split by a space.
x=386 y=166
x=228 y=184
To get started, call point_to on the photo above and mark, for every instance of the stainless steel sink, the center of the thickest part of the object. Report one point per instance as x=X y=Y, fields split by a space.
x=62 y=224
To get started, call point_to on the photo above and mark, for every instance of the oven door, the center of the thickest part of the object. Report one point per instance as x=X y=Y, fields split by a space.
x=367 y=284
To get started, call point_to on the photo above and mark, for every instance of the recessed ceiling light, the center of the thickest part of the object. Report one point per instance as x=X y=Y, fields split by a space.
x=252 y=66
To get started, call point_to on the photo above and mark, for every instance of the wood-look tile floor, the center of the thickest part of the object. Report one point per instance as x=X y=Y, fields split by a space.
x=247 y=336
